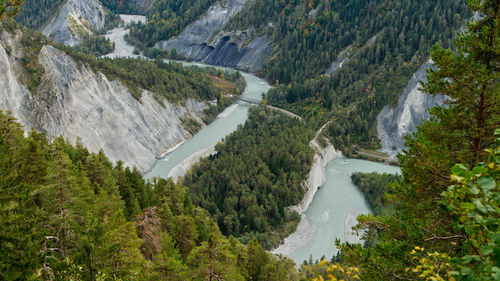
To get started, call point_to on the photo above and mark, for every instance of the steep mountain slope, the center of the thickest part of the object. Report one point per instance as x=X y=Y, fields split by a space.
x=74 y=99
x=66 y=22
x=339 y=60
x=34 y=13
x=205 y=40
x=73 y=20
x=368 y=60
x=68 y=214
x=412 y=109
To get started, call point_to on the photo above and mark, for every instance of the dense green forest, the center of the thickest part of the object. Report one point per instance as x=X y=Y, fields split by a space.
x=68 y=214
x=388 y=41
x=375 y=186
x=257 y=172
x=166 y=18
x=168 y=81
x=446 y=220
x=35 y=13
x=95 y=45
x=121 y=6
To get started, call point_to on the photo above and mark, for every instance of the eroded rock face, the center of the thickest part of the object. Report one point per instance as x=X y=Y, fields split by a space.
x=342 y=58
x=76 y=102
x=12 y=93
x=204 y=40
x=75 y=17
x=412 y=109
x=315 y=179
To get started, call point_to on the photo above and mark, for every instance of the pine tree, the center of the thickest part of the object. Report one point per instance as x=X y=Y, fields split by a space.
x=9 y=7
x=470 y=77
x=19 y=248
x=168 y=264
x=132 y=207
x=257 y=258
x=457 y=133
x=213 y=261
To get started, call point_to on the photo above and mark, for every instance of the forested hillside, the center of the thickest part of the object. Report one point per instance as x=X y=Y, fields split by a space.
x=257 y=172
x=34 y=14
x=68 y=214
x=166 y=18
x=169 y=81
x=445 y=225
x=375 y=187
x=121 y=6
x=384 y=43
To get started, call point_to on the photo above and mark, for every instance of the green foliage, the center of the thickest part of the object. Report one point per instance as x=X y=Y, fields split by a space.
x=460 y=222
x=375 y=186
x=34 y=13
x=51 y=210
x=166 y=19
x=388 y=41
x=95 y=45
x=123 y=6
x=9 y=7
x=474 y=200
x=191 y=125
x=470 y=77
x=32 y=42
x=168 y=81
x=256 y=173
x=68 y=214
x=111 y=21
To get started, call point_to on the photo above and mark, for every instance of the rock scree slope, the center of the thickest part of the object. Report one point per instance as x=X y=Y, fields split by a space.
x=205 y=41
x=411 y=111
x=76 y=102
x=74 y=19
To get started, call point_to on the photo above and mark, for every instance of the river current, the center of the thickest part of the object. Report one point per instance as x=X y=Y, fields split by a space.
x=326 y=218
x=225 y=123
x=336 y=200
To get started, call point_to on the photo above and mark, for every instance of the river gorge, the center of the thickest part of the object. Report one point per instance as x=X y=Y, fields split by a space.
x=329 y=215
x=331 y=202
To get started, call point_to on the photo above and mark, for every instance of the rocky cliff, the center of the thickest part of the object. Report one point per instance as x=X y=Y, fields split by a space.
x=412 y=109
x=317 y=175
x=316 y=178
x=205 y=41
x=74 y=101
x=74 y=19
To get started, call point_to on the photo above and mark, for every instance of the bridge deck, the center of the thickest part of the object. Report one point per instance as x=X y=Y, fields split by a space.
x=253 y=101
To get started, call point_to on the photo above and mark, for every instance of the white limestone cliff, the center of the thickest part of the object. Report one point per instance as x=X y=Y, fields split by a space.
x=206 y=41
x=74 y=19
x=76 y=102
x=412 y=109
x=315 y=179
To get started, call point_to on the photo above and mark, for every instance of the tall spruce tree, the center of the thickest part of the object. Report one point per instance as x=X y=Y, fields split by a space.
x=457 y=133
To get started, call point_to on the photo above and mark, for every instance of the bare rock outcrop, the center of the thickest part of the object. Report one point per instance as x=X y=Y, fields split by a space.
x=74 y=19
x=205 y=41
x=412 y=109
x=74 y=101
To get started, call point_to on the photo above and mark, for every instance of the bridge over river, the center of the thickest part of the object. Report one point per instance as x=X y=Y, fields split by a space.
x=253 y=101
